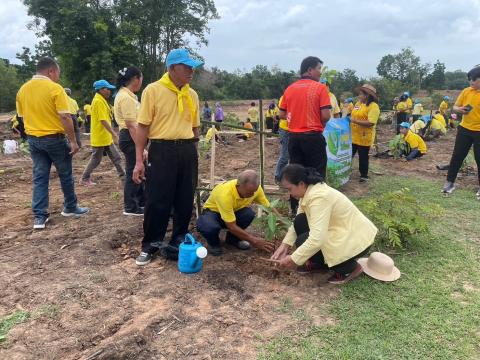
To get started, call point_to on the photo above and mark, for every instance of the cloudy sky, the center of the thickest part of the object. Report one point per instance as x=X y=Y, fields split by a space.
x=343 y=33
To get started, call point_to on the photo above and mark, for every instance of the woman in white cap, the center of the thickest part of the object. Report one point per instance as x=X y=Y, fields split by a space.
x=329 y=232
x=363 y=121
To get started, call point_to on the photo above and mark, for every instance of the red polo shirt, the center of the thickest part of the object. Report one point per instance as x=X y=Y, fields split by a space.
x=303 y=101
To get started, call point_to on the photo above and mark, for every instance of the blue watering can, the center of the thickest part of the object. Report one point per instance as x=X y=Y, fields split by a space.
x=190 y=255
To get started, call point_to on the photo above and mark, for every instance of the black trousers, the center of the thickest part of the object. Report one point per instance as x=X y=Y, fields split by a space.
x=76 y=128
x=363 y=158
x=133 y=194
x=401 y=117
x=463 y=142
x=172 y=174
x=302 y=229
x=309 y=150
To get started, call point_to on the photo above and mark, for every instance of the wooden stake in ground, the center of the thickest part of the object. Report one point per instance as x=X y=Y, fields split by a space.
x=212 y=158
x=262 y=146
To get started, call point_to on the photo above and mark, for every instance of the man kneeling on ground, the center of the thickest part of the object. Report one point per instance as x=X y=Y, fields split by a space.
x=416 y=145
x=228 y=208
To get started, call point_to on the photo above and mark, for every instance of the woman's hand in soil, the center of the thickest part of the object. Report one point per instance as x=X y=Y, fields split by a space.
x=286 y=262
x=281 y=252
x=261 y=244
x=138 y=173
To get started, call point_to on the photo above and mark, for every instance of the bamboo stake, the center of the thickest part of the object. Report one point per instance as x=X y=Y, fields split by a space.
x=262 y=146
x=212 y=159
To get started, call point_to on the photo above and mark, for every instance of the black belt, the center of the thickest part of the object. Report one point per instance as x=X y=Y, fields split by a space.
x=52 y=136
x=173 y=142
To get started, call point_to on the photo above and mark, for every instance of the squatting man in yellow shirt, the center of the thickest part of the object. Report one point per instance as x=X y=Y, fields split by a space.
x=43 y=105
x=228 y=208
x=416 y=145
x=329 y=232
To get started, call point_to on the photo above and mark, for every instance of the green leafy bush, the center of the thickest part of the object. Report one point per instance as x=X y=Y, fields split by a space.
x=398 y=146
x=399 y=216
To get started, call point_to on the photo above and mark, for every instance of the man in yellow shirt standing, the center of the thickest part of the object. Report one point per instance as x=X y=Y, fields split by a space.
x=468 y=133
x=169 y=116
x=73 y=109
x=253 y=115
x=43 y=105
x=443 y=108
x=87 y=111
x=228 y=208
x=102 y=134
x=336 y=112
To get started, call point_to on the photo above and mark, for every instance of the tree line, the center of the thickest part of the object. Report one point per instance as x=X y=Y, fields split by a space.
x=93 y=39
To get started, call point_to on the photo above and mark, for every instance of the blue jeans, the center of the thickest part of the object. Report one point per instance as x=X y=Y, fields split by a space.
x=284 y=157
x=45 y=151
x=210 y=223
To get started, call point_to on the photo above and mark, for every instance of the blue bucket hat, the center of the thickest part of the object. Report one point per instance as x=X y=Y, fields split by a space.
x=182 y=56
x=406 y=93
x=405 y=125
x=102 y=84
x=446 y=98
x=417 y=101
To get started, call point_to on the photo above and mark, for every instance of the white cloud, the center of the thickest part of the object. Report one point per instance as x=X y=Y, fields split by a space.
x=344 y=33
x=13 y=32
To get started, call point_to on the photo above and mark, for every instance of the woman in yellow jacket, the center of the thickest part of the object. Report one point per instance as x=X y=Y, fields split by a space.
x=329 y=232
x=363 y=121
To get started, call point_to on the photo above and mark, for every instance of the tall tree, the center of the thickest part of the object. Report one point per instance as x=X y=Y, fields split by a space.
x=94 y=38
x=436 y=79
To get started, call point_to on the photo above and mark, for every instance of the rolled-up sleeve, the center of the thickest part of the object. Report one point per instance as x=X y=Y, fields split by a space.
x=318 y=223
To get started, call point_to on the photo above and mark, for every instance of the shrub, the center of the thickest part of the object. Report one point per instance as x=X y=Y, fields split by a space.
x=399 y=216
x=398 y=146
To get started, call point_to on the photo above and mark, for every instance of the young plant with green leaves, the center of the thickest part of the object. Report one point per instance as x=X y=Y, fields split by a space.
x=398 y=146
x=275 y=224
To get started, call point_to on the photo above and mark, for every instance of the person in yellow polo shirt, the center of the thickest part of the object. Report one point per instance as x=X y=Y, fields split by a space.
x=87 y=112
x=43 y=105
x=102 y=135
x=328 y=233
x=409 y=102
x=169 y=116
x=126 y=106
x=228 y=207
x=401 y=111
x=253 y=115
x=363 y=122
x=416 y=145
x=468 y=133
x=436 y=127
x=73 y=109
x=443 y=108
x=336 y=112
x=283 y=157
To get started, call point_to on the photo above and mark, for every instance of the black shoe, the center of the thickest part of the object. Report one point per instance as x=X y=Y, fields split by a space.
x=171 y=252
x=239 y=244
x=144 y=259
x=138 y=212
x=215 y=250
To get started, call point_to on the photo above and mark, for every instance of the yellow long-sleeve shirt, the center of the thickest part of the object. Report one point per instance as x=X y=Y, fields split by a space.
x=337 y=227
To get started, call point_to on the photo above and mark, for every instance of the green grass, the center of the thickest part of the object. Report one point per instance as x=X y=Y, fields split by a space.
x=7 y=323
x=432 y=312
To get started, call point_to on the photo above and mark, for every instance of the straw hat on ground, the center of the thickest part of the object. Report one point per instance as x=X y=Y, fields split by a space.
x=369 y=89
x=380 y=266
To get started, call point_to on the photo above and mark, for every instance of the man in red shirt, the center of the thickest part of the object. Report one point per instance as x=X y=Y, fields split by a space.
x=306 y=106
